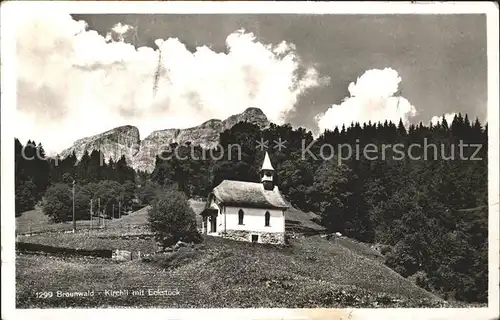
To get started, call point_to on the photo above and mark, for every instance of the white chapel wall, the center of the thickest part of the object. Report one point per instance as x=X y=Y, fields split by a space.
x=254 y=219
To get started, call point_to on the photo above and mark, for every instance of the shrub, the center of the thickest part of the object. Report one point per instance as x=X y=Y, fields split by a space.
x=401 y=259
x=148 y=192
x=421 y=279
x=58 y=203
x=109 y=192
x=25 y=196
x=171 y=219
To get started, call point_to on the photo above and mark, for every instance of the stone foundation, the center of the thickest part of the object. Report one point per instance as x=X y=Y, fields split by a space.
x=264 y=237
x=273 y=237
x=237 y=235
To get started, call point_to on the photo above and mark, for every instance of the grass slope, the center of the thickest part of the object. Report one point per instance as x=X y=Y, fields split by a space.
x=35 y=221
x=312 y=272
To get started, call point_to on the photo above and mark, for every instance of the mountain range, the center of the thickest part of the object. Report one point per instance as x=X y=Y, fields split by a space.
x=140 y=154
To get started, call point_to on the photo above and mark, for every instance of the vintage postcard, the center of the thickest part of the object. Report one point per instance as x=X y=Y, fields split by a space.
x=250 y=160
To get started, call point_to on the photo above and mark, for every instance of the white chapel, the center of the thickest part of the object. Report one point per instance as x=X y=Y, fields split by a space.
x=247 y=211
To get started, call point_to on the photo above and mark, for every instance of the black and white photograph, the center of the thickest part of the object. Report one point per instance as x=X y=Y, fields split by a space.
x=217 y=157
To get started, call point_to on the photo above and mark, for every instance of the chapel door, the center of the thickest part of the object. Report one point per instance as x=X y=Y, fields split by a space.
x=213 y=224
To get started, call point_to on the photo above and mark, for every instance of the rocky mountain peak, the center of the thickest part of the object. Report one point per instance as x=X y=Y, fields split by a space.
x=125 y=140
x=252 y=115
x=254 y=110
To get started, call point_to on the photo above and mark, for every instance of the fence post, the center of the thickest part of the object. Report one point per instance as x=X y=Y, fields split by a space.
x=90 y=213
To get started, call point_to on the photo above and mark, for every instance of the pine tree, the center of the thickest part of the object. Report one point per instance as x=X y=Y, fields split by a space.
x=122 y=171
x=82 y=167
x=93 y=170
x=401 y=128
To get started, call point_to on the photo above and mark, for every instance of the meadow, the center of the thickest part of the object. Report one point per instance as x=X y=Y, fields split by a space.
x=220 y=273
x=311 y=271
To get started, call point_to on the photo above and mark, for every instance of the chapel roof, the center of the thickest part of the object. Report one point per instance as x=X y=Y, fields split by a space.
x=249 y=194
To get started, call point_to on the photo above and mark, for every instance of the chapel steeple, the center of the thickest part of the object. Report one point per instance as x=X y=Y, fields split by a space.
x=267 y=173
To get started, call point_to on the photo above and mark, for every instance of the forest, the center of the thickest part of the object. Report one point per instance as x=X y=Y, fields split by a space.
x=428 y=215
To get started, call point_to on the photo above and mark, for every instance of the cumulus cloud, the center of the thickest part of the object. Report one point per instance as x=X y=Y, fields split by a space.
x=373 y=97
x=74 y=82
x=117 y=33
x=438 y=119
x=121 y=28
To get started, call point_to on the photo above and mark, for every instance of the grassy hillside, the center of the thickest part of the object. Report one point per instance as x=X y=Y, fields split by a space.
x=311 y=272
x=35 y=221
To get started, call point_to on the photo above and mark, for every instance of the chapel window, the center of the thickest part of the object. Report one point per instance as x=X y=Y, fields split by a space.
x=240 y=216
x=267 y=218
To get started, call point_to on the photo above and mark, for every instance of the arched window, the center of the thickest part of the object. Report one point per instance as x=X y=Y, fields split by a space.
x=267 y=217
x=240 y=216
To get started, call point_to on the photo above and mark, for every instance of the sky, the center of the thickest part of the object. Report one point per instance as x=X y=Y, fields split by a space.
x=80 y=75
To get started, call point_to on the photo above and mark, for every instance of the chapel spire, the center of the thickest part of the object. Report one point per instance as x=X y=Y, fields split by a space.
x=267 y=173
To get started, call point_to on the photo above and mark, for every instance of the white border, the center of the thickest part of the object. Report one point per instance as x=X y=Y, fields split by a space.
x=9 y=12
